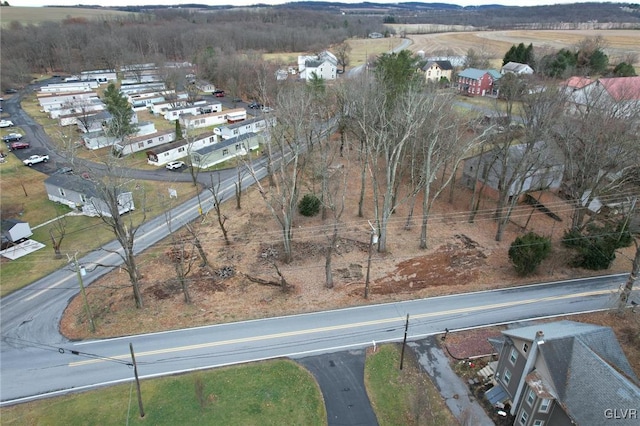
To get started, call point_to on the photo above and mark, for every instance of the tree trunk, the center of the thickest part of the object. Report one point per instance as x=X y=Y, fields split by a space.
x=628 y=287
x=363 y=180
x=134 y=276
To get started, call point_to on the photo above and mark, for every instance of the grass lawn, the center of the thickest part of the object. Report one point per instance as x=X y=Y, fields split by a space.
x=23 y=196
x=403 y=397
x=266 y=393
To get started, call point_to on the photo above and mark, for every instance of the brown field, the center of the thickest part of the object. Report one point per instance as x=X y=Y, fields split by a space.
x=37 y=15
x=619 y=44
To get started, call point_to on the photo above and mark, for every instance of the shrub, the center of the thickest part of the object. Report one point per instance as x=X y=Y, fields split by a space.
x=528 y=251
x=309 y=205
x=597 y=245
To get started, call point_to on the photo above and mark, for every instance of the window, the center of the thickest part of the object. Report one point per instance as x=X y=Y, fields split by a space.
x=83 y=198
x=531 y=396
x=61 y=191
x=212 y=139
x=544 y=405
x=506 y=377
x=150 y=141
x=538 y=423
x=513 y=356
x=140 y=144
x=225 y=152
x=525 y=347
x=523 y=417
x=161 y=138
x=181 y=149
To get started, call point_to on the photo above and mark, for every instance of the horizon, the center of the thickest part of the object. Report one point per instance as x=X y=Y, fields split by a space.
x=121 y=3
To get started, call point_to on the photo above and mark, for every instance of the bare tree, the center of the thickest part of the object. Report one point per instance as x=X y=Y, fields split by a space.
x=57 y=232
x=217 y=207
x=631 y=280
x=599 y=146
x=115 y=201
x=286 y=143
x=342 y=54
x=180 y=254
x=192 y=230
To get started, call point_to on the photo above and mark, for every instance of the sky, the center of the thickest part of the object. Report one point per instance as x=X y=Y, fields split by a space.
x=249 y=2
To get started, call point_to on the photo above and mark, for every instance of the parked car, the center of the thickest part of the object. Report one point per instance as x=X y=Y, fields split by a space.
x=255 y=105
x=6 y=123
x=11 y=137
x=10 y=91
x=267 y=109
x=174 y=165
x=218 y=93
x=35 y=159
x=237 y=100
x=19 y=145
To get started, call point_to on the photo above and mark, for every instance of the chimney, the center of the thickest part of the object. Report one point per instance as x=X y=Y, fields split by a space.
x=528 y=367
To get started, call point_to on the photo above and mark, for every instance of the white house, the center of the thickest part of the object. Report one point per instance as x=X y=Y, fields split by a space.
x=78 y=106
x=226 y=150
x=177 y=150
x=73 y=86
x=101 y=76
x=132 y=88
x=97 y=139
x=173 y=114
x=51 y=101
x=324 y=65
x=516 y=68
x=254 y=125
x=83 y=194
x=142 y=142
x=190 y=121
x=205 y=86
x=143 y=100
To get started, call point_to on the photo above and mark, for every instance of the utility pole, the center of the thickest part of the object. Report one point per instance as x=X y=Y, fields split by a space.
x=404 y=342
x=82 y=272
x=372 y=240
x=135 y=373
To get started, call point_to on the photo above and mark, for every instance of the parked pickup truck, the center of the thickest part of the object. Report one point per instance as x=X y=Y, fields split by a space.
x=35 y=159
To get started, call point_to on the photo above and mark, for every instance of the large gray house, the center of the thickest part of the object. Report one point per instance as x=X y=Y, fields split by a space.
x=83 y=194
x=564 y=373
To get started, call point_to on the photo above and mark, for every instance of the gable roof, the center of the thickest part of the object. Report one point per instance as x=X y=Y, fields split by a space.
x=73 y=183
x=588 y=372
x=622 y=88
x=577 y=82
x=477 y=74
x=444 y=65
x=515 y=67
x=226 y=143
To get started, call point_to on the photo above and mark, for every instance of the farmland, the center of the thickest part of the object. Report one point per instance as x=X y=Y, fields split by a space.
x=37 y=15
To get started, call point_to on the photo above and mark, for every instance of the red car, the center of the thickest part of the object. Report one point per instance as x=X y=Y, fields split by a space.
x=218 y=93
x=18 y=145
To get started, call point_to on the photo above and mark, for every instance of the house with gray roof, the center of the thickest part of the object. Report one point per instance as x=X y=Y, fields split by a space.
x=564 y=373
x=476 y=82
x=84 y=195
x=435 y=71
x=226 y=150
x=323 y=65
x=516 y=68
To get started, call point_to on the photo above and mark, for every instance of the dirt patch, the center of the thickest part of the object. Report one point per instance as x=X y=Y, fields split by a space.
x=461 y=257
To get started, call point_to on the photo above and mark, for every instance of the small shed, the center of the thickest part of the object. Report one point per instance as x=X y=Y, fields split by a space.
x=14 y=230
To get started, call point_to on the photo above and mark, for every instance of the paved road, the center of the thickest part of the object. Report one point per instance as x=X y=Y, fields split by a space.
x=32 y=367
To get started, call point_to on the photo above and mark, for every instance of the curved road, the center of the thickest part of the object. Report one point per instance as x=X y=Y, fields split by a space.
x=37 y=361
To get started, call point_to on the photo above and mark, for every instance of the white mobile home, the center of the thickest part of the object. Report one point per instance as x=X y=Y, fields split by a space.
x=75 y=86
x=60 y=100
x=91 y=105
x=174 y=114
x=173 y=151
x=254 y=125
x=140 y=143
x=226 y=150
x=190 y=121
x=101 y=76
x=132 y=88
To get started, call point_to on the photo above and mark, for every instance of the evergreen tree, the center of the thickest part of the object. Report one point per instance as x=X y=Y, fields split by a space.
x=118 y=106
x=624 y=69
x=528 y=251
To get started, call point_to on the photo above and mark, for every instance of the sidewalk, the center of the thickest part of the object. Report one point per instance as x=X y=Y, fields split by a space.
x=454 y=390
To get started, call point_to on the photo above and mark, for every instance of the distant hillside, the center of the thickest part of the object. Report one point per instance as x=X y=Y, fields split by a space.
x=36 y=15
